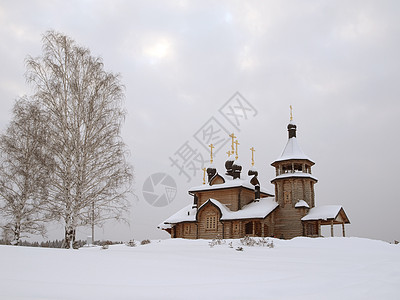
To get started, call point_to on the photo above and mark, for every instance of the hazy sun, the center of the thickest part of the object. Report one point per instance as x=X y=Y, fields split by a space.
x=158 y=49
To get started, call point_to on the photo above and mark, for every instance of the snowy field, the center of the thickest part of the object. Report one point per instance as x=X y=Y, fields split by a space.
x=302 y=268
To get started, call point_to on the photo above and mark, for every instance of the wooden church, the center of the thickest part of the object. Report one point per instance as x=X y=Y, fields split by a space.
x=233 y=205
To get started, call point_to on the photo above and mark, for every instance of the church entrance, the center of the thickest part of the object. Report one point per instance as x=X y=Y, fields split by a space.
x=248 y=228
x=253 y=228
x=311 y=229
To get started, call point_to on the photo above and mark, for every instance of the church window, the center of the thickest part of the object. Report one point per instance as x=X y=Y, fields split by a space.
x=187 y=228
x=298 y=168
x=287 y=197
x=286 y=168
x=211 y=222
x=236 y=227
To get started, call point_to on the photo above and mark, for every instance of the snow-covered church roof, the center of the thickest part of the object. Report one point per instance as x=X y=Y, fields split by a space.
x=257 y=209
x=325 y=212
x=292 y=151
x=301 y=203
x=296 y=174
x=186 y=214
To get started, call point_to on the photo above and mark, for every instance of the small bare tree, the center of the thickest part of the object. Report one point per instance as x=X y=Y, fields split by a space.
x=91 y=178
x=22 y=178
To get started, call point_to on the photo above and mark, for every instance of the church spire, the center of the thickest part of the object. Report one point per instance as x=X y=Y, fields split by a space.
x=291 y=126
x=292 y=149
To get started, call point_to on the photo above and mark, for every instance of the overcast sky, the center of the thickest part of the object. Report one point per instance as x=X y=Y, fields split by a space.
x=336 y=62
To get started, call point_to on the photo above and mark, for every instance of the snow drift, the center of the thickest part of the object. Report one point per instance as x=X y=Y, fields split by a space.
x=302 y=268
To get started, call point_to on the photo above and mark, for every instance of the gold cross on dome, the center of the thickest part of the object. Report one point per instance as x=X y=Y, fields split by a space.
x=233 y=137
x=237 y=143
x=211 y=154
x=252 y=155
x=291 y=113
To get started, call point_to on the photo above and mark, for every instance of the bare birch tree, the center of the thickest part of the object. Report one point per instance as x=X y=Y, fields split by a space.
x=22 y=178
x=91 y=179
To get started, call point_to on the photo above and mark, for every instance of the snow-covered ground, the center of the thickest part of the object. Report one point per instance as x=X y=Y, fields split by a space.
x=302 y=268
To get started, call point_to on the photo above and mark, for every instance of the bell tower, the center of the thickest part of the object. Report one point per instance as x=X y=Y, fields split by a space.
x=294 y=186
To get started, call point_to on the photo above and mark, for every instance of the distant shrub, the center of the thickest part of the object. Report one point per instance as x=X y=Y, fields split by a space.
x=106 y=242
x=262 y=242
x=105 y=247
x=248 y=241
x=145 y=242
x=266 y=243
x=216 y=241
x=131 y=243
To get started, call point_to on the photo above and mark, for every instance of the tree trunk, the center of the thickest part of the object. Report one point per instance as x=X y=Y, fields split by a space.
x=69 y=237
x=17 y=235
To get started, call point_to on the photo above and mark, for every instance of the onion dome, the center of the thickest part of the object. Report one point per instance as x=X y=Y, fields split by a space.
x=252 y=171
x=211 y=171
x=228 y=166
x=236 y=169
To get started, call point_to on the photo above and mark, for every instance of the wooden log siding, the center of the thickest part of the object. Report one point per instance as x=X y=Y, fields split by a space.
x=236 y=229
x=288 y=222
x=233 y=198
x=297 y=189
x=310 y=228
x=173 y=232
x=227 y=229
x=246 y=196
x=225 y=196
x=188 y=230
x=205 y=232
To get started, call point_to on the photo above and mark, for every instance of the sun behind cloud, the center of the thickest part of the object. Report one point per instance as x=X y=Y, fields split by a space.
x=158 y=49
